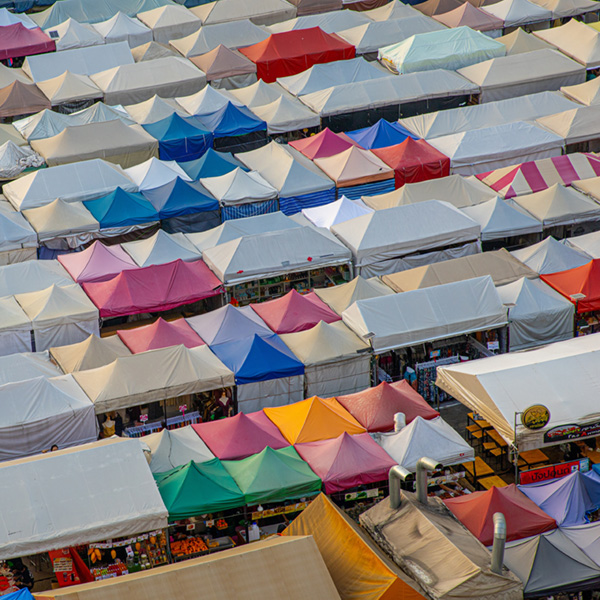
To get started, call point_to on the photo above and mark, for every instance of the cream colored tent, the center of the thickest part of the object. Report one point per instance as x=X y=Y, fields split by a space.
x=15 y=327
x=170 y=22
x=27 y=365
x=567 y=8
x=9 y=75
x=151 y=51
x=69 y=87
x=93 y=352
x=257 y=94
x=72 y=34
x=154 y=375
x=260 y=12
x=577 y=40
x=155 y=109
x=18 y=241
x=336 y=362
x=587 y=93
x=9 y=134
x=340 y=297
x=284 y=115
x=576 y=126
x=519 y=42
x=123 y=28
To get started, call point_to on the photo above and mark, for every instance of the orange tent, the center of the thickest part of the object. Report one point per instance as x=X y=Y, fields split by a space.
x=581 y=280
x=313 y=419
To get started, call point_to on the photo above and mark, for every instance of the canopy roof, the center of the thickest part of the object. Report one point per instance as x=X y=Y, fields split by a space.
x=382 y=134
x=153 y=173
x=472 y=17
x=72 y=34
x=27 y=365
x=15 y=231
x=313 y=419
x=15 y=320
x=18 y=40
x=31 y=276
x=585 y=245
x=584 y=537
x=322 y=145
x=211 y=164
x=575 y=39
x=567 y=8
x=178 y=197
x=20 y=98
x=580 y=280
x=161 y=248
x=261 y=13
x=60 y=219
x=122 y=209
x=392 y=10
x=587 y=93
x=519 y=42
x=240 y=436
x=230 y=120
x=223 y=62
x=340 y=297
x=91 y=353
x=153 y=110
x=160 y=334
x=576 y=126
x=437 y=7
x=69 y=87
x=550 y=256
x=284 y=115
x=354 y=166
x=121 y=27
x=170 y=22
x=239 y=187
x=518 y=12
x=331 y=21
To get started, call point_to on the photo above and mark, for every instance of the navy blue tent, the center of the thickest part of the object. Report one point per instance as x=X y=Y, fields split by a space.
x=380 y=135
x=180 y=138
x=122 y=209
x=211 y=164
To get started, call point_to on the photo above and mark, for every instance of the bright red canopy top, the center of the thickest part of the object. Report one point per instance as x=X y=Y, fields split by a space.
x=16 y=40
x=323 y=144
x=291 y=52
x=160 y=334
x=374 y=408
x=580 y=280
x=523 y=517
x=294 y=312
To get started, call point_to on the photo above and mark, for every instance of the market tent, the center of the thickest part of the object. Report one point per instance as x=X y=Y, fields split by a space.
x=567 y=8
x=329 y=21
x=170 y=22
x=239 y=187
x=71 y=34
x=43 y=124
x=335 y=360
x=197 y=488
x=17 y=41
x=31 y=275
x=273 y=476
x=519 y=42
x=27 y=365
x=155 y=288
x=265 y=12
x=472 y=17
x=284 y=115
x=587 y=93
x=307 y=7
x=575 y=39
x=335 y=212
x=585 y=245
x=340 y=297
x=20 y=98
x=322 y=145
x=161 y=248
x=151 y=51
x=538 y=314
x=475 y=512
x=436 y=7
x=292 y=52
x=580 y=280
x=575 y=126
x=240 y=436
x=100 y=113
x=380 y=135
x=153 y=110
x=10 y=18
x=15 y=329
x=121 y=28
x=69 y=87
x=16 y=235
x=255 y=95
x=515 y=13
x=211 y=164
x=426 y=437
x=374 y=407
x=153 y=173
x=91 y=353
x=105 y=488
x=390 y=11
x=160 y=334
x=313 y=419
x=439 y=312
x=15 y=159
x=226 y=68
x=585 y=537
x=8 y=133
x=550 y=256
x=230 y=119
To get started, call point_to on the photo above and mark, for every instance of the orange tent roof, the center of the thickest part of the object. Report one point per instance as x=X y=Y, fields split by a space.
x=581 y=280
x=313 y=419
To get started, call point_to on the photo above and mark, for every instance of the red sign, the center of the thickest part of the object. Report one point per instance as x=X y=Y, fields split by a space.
x=62 y=564
x=554 y=471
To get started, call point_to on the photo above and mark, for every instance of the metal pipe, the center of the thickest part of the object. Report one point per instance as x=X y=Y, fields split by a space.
x=499 y=542
x=423 y=465
x=397 y=474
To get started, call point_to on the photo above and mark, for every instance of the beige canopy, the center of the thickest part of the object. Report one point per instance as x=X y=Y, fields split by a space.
x=354 y=166
x=93 y=352
x=155 y=109
x=520 y=41
x=575 y=39
x=9 y=75
x=9 y=134
x=69 y=87
x=170 y=22
x=20 y=98
x=223 y=62
x=340 y=297
x=260 y=12
x=587 y=93
x=151 y=51
x=575 y=126
x=568 y=8
x=472 y=17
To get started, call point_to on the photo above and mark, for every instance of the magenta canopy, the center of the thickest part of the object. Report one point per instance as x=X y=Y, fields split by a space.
x=16 y=40
x=153 y=289
x=347 y=461
x=97 y=262
x=237 y=437
x=160 y=334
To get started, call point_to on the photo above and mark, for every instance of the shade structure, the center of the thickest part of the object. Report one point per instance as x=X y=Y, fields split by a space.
x=587 y=93
x=15 y=333
x=72 y=34
x=329 y=21
x=391 y=10
x=154 y=288
x=179 y=138
x=100 y=112
x=198 y=488
x=291 y=52
x=414 y=160
x=308 y=7
x=24 y=366
x=66 y=473
x=243 y=435
x=160 y=334
x=222 y=63
x=284 y=115
x=335 y=212
x=475 y=512
x=161 y=248
x=437 y=7
x=172 y=448
x=231 y=120
x=374 y=408
x=273 y=476
x=122 y=209
x=340 y=297
x=518 y=12
x=18 y=40
x=584 y=537
x=239 y=187
x=322 y=145
x=551 y=256
x=584 y=245
x=170 y=22
x=263 y=13
x=121 y=28
x=519 y=42
x=154 y=109
x=153 y=173
x=15 y=232
x=471 y=16
x=151 y=51
x=313 y=419
x=91 y=353
x=580 y=280
x=69 y=87
x=20 y=98
x=576 y=126
x=380 y=135
x=211 y=164
x=10 y=18
x=567 y=8
x=31 y=276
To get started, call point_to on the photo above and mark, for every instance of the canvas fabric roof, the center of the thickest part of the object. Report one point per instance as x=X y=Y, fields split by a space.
x=27 y=365
x=285 y=115
x=518 y=12
x=340 y=297
x=121 y=28
x=551 y=256
x=354 y=166
x=265 y=12
x=9 y=134
x=170 y=22
x=335 y=212
x=151 y=51
x=567 y=8
x=154 y=172
x=69 y=87
x=471 y=16
x=584 y=537
x=223 y=62
x=10 y=18
x=43 y=124
x=93 y=352
x=161 y=248
x=585 y=245
x=72 y=34
x=305 y=7
x=437 y=7
x=382 y=134
x=577 y=40
x=331 y=21
x=160 y=334
x=587 y=93
x=13 y=161
x=20 y=98
x=153 y=110
x=519 y=42
x=100 y=113
x=239 y=187
x=576 y=281
x=15 y=231
x=31 y=276
x=322 y=145
x=392 y=10
x=576 y=126
x=257 y=94
x=15 y=331
x=18 y=41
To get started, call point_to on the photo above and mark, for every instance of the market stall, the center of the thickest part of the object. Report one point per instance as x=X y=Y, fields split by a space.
x=93 y=352
x=340 y=297
x=160 y=334
x=551 y=256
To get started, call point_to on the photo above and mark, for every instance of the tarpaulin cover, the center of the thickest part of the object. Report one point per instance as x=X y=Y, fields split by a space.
x=471 y=16
x=340 y=297
x=232 y=119
x=294 y=312
x=292 y=52
x=552 y=256
x=581 y=280
x=240 y=436
x=160 y=334
x=524 y=517
x=335 y=212
x=161 y=248
x=273 y=476
x=323 y=144
x=211 y=164
x=178 y=197
x=313 y=419
x=198 y=488
x=374 y=408
x=154 y=288
x=20 y=98
x=17 y=40
x=380 y=135
x=122 y=209
x=347 y=461
x=91 y=353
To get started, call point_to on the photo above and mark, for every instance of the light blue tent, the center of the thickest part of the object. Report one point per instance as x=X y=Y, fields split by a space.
x=211 y=164
x=380 y=135
x=122 y=209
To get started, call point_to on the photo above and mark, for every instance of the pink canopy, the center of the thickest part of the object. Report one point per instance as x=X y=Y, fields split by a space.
x=16 y=40
x=152 y=289
x=160 y=334
x=97 y=262
x=237 y=437
x=294 y=312
x=347 y=461
x=323 y=144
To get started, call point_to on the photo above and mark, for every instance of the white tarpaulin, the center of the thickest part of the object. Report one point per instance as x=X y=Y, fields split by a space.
x=239 y=187
x=284 y=115
x=586 y=245
x=15 y=231
x=15 y=328
x=273 y=392
x=43 y=124
x=332 y=21
x=550 y=256
x=27 y=365
x=518 y=12
x=336 y=212
x=170 y=22
x=154 y=172
x=122 y=28
x=161 y=248
x=72 y=34
x=32 y=276
x=340 y=297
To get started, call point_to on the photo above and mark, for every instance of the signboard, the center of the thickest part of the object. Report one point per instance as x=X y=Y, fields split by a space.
x=554 y=471
x=493 y=345
x=535 y=417
x=280 y=510
x=62 y=565
x=571 y=432
x=362 y=495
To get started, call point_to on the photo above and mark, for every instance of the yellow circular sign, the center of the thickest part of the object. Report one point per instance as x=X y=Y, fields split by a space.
x=535 y=417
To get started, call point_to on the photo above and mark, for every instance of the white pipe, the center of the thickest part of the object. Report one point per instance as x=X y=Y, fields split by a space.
x=397 y=474
x=499 y=542
x=423 y=465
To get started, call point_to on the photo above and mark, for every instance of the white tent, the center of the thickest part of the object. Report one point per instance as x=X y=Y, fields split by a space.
x=284 y=115
x=587 y=245
x=18 y=241
x=69 y=87
x=568 y=8
x=41 y=125
x=433 y=438
x=332 y=21
x=101 y=113
x=587 y=93
x=151 y=51
x=170 y=22
x=72 y=34
x=425 y=315
x=515 y=13
x=550 y=256
x=380 y=239
x=122 y=28
x=340 y=297
x=27 y=365
x=336 y=212
x=239 y=187
x=576 y=126
x=537 y=314
x=161 y=248
x=31 y=276
x=15 y=327
x=154 y=172
x=265 y=12
x=10 y=18
x=205 y=101
x=254 y=95
x=481 y=150
x=153 y=110
x=390 y=11
x=92 y=493
x=519 y=42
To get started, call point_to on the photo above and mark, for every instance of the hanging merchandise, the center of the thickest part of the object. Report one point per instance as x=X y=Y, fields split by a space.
x=426 y=377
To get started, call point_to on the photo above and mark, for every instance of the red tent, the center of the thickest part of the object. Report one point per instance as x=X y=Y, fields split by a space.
x=347 y=461
x=291 y=52
x=523 y=517
x=155 y=288
x=323 y=144
x=374 y=408
x=16 y=40
x=160 y=334
x=294 y=312
x=581 y=280
x=237 y=437
x=414 y=161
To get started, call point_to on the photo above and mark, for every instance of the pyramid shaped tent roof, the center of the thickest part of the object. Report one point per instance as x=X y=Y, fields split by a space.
x=72 y=34
x=313 y=419
x=161 y=248
x=101 y=113
x=60 y=218
x=160 y=334
x=178 y=197
x=170 y=21
x=122 y=209
x=335 y=212
x=154 y=109
x=567 y=8
x=175 y=127
x=43 y=124
x=151 y=51
x=239 y=187
x=15 y=231
x=211 y=164
x=223 y=62
x=374 y=408
x=518 y=12
x=20 y=98
x=10 y=18
x=93 y=352
x=240 y=436
x=69 y=87
x=412 y=153
x=231 y=120
x=550 y=256
x=329 y=21
x=392 y=10
x=206 y=101
x=261 y=13
x=273 y=476
x=284 y=115
x=587 y=93
x=323 y=144
x=585 y=537
x=31 y=275
x=576 y=125
x=381 y=134
x=154 y=173
x=437 y=7
x=354 y=166
x=470 y=15
x=580 y=280
x=19 y=41
x=14 y=318
x=340 y=297
x=586 y=244
x=121 y=27
x=519 y=42
x=257 y=94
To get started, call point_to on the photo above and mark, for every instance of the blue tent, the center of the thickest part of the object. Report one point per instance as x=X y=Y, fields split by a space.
x=23 y=594
x=179 y=197
x=257 y=358
x=232 y=120
x=211 y=164
x=180 y=138
x=122 y=209
x=380 y=135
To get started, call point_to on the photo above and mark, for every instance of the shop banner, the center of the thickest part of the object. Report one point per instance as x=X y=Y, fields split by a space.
x=571 y=432
x=554 y=471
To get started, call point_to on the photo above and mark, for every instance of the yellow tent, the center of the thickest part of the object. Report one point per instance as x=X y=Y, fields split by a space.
x=358 y=568
x=313 y=419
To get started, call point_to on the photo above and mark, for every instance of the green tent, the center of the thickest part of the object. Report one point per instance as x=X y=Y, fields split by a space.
x=198 y=488
x=273 y=476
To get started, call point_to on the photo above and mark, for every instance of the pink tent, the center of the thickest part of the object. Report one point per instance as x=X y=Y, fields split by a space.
x=152 y=289
x=323 y=144
x=294 y=312
x=160 y=334
x=347 y=461
x=16 y=40
x=237 y=437
x=97 y=262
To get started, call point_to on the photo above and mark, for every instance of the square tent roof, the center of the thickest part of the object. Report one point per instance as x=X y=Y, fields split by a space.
x=340 y=297
x=239 y=187
x=339 y=211
x=161 y=248
x=576 y=126
x=18 y=41
x=330 y=21
x=160 y=334
x=151 y=51
x=178 y=198
x=27 y=365
x=567 y=8
x=211 y=164
x=471 y=16
x=322 y=145
x=20 y=98
x=284 y=115
x=154 y=109
x=122 y=28
x=519 y=42
x=264 y=12
x=15 y=231
x=153 y=173
x=31 y=276
x=222 y=62
x=576 y=40
x=122 y=209
x=380 y=135
x=587 y=93
x=584 y=245
x=518 y=12
x=72 y=34
x=170 y=22
x=93 y=352
x=69 y=87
